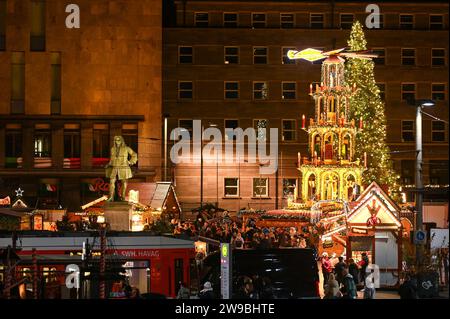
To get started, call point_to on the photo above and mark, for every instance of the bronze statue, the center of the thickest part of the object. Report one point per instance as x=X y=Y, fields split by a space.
x=122 y=157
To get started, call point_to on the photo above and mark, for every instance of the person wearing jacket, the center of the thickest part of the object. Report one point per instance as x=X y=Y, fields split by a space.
x=326 y=268
x=207 y=291
x=349 y=289
x=183 y=292
x=353 y=270
x=332 y=289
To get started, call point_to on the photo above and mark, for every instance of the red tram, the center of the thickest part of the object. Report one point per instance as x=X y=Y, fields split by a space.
x=153 y=264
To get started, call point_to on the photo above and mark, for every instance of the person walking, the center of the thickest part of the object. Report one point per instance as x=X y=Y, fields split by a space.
x=183 y=292
x=349 y=289
x=332 y=288
x=353 y=270
x=338 y=269
x=326 y=268
x=207 y=291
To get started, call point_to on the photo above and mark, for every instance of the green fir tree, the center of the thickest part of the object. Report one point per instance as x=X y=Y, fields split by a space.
x=367 y=104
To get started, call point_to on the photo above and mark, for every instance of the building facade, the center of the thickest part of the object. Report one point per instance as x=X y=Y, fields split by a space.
x=225 y=63
x=66 y=91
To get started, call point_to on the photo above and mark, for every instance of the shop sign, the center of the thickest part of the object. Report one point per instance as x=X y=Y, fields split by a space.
x=359 y=230
x=327 y=244
x=139 y=253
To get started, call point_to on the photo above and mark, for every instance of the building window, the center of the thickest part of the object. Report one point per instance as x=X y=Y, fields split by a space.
x=231 y=90
x=289 y=90
x=436 y=22
x=316 y=20
x=381 y=21
x=437 y=57
x=284 y=57
x=55 y=107
x=381 y=58
x=42 y=140
x=260 y=126
x=201 y=19
x=37 y=32
x=382 y=88
x=101 y=141
x=289 y=185
x=13 y=146
x=231 y=125
x=230 y=19
x=18 y=83
x=231 y=55
x=258 y=20
x=406 y=21
x=260 y=187
x=438 y=91
x=287 y=20
x=130 y=135
x=346 y=20
x=186 y=125
x=407 y=131
x=260 y=90
x=185 y=55
x=408 y=91
x=408 y=171
x=438 y=131
x=438 y=172
x=231 y=187
x=185 y=90
x=289 y=130
x=72 y=147
x=259 y=55
x=408 y=56
x=2 y=25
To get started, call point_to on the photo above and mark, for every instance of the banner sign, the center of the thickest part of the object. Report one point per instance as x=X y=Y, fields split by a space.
x=226 y=270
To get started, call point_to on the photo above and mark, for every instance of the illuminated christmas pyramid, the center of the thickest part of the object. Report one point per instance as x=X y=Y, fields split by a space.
x=331 y=171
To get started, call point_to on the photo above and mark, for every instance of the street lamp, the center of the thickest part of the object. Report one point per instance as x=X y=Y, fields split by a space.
x=419 y=104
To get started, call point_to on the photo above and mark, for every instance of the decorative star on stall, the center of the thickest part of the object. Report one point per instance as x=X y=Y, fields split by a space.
x=19 y=192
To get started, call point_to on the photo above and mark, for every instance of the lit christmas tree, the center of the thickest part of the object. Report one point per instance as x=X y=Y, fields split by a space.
x=367 y=104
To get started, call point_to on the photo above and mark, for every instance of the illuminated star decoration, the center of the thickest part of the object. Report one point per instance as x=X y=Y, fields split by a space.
x=19 y=192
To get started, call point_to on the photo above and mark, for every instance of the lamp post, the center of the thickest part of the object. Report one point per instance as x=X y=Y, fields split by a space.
x=419 y=162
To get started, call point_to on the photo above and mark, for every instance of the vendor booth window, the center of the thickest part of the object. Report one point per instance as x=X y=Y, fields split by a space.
x=360 y=245
x=13 y=146
x=130 y=135
x=231 y=187
x=72 y=147
x=100 y=145
x=260 y=187
x=42 y=140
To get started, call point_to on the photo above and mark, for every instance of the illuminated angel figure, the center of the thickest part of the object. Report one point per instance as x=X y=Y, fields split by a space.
x=312 y=55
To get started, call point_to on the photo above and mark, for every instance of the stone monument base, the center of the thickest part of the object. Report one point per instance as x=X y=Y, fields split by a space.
x=118 y=215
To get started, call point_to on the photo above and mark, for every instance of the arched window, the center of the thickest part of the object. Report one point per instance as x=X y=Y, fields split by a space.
x=331 y=186
x=346 y=147
x=349 y=185
x=311 y=186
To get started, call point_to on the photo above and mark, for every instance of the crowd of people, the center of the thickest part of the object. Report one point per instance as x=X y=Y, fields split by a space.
x=227 y=230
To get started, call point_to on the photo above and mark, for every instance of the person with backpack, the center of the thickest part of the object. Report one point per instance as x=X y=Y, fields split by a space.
x=183 y=292
x=349 y=289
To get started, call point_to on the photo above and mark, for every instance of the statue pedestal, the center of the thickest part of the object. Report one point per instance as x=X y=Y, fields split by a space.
x=118 y=215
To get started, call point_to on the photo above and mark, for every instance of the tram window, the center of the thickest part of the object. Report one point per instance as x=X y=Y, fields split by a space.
x=178 y=273
x=193 y=276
